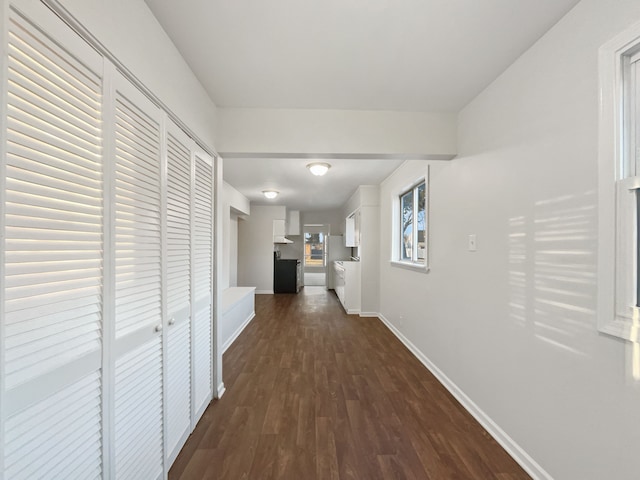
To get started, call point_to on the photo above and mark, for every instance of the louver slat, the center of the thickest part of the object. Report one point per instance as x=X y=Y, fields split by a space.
x=178 y=395
x=203 y=282
x=53 y=212
x=138 y=409
x=64 y=430
x=138 y=243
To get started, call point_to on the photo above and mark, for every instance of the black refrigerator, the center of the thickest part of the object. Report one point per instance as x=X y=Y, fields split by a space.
x=286 y=274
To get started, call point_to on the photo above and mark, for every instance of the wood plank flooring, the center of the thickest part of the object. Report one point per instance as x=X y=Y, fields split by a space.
x=313 y=393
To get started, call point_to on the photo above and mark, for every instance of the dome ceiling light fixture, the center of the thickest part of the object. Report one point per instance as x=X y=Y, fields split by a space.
x=318 y=168
x=270 y=194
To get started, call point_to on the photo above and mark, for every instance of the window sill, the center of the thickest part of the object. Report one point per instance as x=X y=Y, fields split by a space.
x=410 y=266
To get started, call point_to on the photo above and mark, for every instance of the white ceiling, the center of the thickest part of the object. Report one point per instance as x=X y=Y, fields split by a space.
x=399 y=55
x=299 y=189
x=409 y=55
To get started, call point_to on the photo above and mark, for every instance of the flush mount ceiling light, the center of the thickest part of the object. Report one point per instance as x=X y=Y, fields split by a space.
x=270 y=193
x=319 y=168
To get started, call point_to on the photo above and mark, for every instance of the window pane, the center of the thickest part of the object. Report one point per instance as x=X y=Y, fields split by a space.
x=314 y=249
x=421 y=220
x=406 y=214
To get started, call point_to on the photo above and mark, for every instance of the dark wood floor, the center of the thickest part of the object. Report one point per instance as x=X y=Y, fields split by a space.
x=313 y=393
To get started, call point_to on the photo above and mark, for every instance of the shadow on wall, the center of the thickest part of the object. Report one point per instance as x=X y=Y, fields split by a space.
x=552 y=271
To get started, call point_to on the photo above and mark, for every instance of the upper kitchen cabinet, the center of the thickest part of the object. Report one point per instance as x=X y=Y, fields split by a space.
x=293 y=222
x=352 y=229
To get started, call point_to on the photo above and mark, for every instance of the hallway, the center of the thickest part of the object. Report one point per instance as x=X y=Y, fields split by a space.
x=313 y=393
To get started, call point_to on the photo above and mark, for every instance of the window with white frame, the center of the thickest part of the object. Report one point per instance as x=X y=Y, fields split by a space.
x=412 y=231
x=619 y=187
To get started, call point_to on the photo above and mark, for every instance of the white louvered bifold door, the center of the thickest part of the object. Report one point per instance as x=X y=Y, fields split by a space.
x=178 y=255
x=202 y=282
x=138 y=436
x=52 y=223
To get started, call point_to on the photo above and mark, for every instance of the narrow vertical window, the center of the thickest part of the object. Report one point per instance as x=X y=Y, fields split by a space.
x=406 y=243
x=421 y=223
x=619 y=182
x=413 y=225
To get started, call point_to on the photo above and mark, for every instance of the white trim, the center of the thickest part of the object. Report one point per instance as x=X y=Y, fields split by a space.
x=171 y=456
x=192 y=300
x=238 y=331
x=197 y=415
x=164 y=319
x=499 y=435
x=220 y=390
x=31 y=392
x=4 y=6
x=369 y=314
x=217 y=273
x=416 y=267
x=108 y=274
x=264 y=292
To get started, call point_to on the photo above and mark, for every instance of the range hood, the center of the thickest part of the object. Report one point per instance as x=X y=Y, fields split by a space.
x=281 y=239
x=279 y=232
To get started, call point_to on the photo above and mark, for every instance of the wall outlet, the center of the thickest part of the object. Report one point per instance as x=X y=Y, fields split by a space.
x=473 y=243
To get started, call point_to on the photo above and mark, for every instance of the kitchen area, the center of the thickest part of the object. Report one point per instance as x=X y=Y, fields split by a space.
x=272 y=249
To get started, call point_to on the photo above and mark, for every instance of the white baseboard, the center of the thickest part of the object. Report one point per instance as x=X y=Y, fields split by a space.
x=220 y=391
x=369 y=314
x=500 y=436
x=238 y=331
x=264 y=292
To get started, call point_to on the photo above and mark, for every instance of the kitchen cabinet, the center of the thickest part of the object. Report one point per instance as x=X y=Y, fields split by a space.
x=347 y=285
x=279 y=228
x=293 y=223
x=352 y=229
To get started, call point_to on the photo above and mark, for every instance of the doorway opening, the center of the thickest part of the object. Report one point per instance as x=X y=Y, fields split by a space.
x=315 y=254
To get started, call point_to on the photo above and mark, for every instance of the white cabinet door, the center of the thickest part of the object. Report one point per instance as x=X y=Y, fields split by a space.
x=352 y=230
x=202 y=283
x=357 y=223
x=138 y=428
x=51 y=295
x=279 y=228
x=178 y=292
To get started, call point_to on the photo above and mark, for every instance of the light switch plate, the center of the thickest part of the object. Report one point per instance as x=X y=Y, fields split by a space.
x=473 y=243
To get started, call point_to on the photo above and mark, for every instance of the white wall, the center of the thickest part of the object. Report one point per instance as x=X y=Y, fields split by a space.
x=128 y=29
x=255 y=247
x=513 y=325
x=234 y=204
x=333 y=218
x=233 y=250
x=335 y=132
